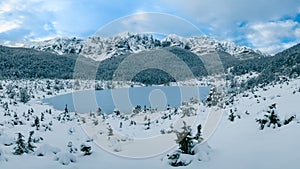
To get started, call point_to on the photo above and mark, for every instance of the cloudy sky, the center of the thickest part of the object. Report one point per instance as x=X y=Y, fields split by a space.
x=267 y=25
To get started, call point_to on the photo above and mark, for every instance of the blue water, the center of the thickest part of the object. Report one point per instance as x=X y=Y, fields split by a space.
x=125 y=99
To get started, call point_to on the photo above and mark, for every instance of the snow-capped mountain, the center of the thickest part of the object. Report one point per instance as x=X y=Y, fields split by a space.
x=206 y=44
x=101 y=48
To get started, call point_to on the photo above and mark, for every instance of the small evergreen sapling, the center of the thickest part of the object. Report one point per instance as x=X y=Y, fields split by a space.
x=86 y=149
x=186 y=145
x=185 y=139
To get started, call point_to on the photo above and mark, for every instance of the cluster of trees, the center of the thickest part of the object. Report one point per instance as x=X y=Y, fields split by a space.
x=22 y=146
x=286 y=63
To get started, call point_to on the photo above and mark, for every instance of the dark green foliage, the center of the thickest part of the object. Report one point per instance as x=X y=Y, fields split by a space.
x=186 y=144
x=198 y=136
x=20 y=145
x=185 y=139
x=231 y=116
x=17 y=63
x=36 y=123
x=153 y=76
x=286 y=63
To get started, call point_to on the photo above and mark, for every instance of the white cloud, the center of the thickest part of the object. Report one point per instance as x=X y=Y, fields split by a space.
x=220 y=12
x=232 y=19
x=272 y=37
x=253 y=21
x=8 y=25
x=5 y=8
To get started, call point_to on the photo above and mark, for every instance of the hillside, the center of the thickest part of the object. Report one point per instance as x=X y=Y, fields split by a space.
x=20 y=63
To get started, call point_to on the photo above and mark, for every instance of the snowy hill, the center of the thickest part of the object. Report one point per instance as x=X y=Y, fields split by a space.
x=101 y=48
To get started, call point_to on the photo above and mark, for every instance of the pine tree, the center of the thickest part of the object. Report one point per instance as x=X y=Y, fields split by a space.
x=231 y=116
x=37 y=123
x=30 y=145
x=198 y=136
x=110 y=131
x=185 y=140
x=20 y=145
x=42 y=116
x=66 y=109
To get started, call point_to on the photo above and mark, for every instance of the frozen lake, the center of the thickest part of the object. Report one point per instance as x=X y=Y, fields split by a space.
x=124 y=99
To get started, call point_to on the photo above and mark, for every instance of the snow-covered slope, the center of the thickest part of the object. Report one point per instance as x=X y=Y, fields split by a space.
x=235 y=144
x=100 y=48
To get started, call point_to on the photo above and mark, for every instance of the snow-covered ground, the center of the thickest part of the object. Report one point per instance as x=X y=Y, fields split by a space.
x=238 y=144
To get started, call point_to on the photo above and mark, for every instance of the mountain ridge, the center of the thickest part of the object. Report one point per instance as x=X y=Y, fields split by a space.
x=100 y=48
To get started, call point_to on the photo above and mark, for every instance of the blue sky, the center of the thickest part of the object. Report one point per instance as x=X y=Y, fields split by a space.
x=267 y=25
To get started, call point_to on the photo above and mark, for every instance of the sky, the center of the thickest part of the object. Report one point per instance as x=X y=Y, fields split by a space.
x=267 y=25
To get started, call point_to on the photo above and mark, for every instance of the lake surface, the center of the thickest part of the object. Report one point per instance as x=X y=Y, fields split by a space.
x=124 y=99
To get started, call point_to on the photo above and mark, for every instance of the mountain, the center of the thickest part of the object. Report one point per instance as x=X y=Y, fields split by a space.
x=18 y=63
x=101 y=48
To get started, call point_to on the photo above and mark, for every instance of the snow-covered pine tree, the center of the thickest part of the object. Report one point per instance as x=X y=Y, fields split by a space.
x=30 y=145
x=185 y=139
x=270 y=118
x=110 y=131
x=198 y=136
x=20 y=145
x=36 y=123
x=231 y=116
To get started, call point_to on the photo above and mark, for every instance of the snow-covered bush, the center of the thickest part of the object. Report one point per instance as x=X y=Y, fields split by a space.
x=176 y=159
x=86 y=149
x=288 y=120
x=65 y=158
x=270 y=118
x=46 y=149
